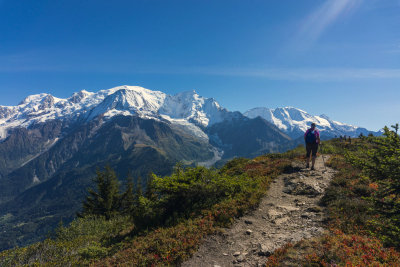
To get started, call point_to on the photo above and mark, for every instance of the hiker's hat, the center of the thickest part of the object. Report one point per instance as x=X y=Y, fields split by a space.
x=313 y=124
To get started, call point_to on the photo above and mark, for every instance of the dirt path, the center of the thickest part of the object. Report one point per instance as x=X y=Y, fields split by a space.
x=288 y=213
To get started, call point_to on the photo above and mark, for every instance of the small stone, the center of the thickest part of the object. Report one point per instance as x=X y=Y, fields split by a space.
x=217 y=265
x=249 y=232
x=314 y=209
x=225 y=254
x=237 y=253
x=281 y=221
x=248 y=222
x=240 y=258
x=264 y=250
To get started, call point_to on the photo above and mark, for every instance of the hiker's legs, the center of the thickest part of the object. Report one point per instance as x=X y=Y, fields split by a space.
x=308 y=154
x=314 y=154
x=313 y=161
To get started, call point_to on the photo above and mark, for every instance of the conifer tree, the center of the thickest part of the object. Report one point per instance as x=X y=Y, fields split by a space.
x=128 y=197
x=150 y=190
x=105 y=201
x=139 y=189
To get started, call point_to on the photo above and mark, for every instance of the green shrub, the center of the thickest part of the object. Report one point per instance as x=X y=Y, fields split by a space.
x=83 y=240
x=380 y=162
x=198 y=188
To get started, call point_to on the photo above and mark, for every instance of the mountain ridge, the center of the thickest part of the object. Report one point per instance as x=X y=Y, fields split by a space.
x=295 y=122
x=186 y=106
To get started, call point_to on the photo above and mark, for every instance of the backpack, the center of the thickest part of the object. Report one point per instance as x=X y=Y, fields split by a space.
x=311 y=137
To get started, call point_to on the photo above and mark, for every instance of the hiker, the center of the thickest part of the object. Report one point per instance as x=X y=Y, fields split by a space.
x=349 y=139
x=311 y=137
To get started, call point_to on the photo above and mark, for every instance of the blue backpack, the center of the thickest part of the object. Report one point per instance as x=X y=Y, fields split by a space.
x=311 y=137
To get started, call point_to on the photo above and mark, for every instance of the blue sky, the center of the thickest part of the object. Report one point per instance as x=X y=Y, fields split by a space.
x=334 y=57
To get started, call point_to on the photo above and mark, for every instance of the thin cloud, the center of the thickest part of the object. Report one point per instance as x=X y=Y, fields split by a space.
x=324 y=16
x=293 y=74
x=282 y=74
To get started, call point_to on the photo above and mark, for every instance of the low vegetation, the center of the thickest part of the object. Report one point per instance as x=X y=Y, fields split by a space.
x=363 y=202
x=161 y=224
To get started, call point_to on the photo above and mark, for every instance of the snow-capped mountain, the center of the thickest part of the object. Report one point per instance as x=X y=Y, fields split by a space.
x=294 y=122
x=187 y=110
x=122 y=100
x=194 y=108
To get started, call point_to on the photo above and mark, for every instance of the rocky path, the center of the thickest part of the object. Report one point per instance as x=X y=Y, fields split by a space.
x=288 y=213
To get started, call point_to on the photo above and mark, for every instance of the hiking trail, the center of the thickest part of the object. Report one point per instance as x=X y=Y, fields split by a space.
x=288 y=213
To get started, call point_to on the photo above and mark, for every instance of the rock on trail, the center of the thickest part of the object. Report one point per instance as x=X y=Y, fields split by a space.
x=288 y=213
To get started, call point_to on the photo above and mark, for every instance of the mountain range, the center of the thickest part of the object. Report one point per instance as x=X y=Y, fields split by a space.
x=50 y=148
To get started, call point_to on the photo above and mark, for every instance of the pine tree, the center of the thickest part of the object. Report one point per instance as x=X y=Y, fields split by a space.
x=150 y=190
x=106 y=200
x=139 y=189
x=128 y=197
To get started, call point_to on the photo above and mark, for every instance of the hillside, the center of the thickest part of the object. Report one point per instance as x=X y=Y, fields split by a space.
x=360 y=206
x=50 y=147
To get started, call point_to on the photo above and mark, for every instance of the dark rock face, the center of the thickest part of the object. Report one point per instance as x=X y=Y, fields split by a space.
x=245 y=137
x=24 y=144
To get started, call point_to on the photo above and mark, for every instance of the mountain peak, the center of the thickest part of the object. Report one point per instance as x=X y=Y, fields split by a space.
x=190 y=94
x=79 y=96
x=33 y=99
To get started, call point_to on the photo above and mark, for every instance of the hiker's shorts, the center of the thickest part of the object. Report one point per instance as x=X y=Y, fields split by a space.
x=313 y=147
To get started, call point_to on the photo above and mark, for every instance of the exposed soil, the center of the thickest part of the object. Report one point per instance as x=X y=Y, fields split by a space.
x=288 y=213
